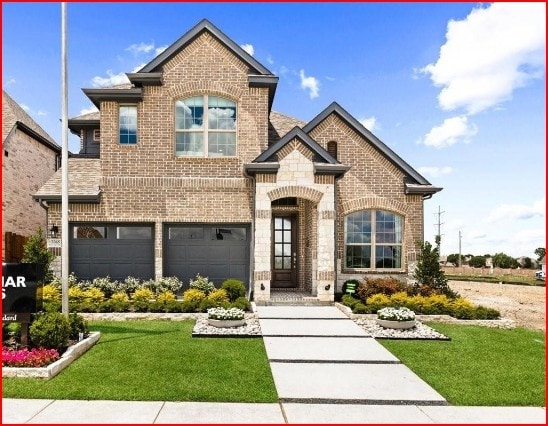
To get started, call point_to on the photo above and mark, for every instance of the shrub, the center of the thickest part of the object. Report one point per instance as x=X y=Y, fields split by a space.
x=349 y=301
x=360 y=308
x=142 y=299
x=428 y=272
x=50 y=330
x=130 y=285
x=437 y=304
x=72 y=281
x=118 y=302
x=85 y=300
x=215 y=299
x=107 y=286
x=482 y=312
x=377 y=301
x=386 y=286
x=77 y=325
x=35 y=251
x=192 y=299
x=51 y=298
x=160 y=285
x=166 y=302
x=203 y=284
x=462 y=309
x=241 y=303
x=234 y=289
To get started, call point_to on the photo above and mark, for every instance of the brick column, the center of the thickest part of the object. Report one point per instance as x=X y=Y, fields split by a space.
x=325 y=275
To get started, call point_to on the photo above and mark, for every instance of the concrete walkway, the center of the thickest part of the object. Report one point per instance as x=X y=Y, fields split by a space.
x=326 y=370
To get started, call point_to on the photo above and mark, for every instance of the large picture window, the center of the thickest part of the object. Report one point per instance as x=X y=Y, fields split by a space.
x=373 y=240
x=205 y=126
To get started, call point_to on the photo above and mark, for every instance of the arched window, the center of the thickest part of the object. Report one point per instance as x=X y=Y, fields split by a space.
x=332 y=149
x=373 y=240
x=205 y=126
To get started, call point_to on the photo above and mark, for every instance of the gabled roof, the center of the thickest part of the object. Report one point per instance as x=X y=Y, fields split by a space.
x=335 y=108
x=298 y=133
x=13 y=116
x=204 y=25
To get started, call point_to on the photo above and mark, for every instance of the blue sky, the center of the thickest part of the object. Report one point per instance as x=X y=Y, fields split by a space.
x=458 y=90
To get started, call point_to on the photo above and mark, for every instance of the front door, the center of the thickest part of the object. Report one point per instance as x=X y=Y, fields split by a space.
x=284 y=250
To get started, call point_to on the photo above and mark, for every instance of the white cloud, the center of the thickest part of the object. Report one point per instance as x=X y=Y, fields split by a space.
x=310 y=83
x=25 y=107
x=512 y=212
x=270 y=60
x=10 y=82
x=89 y=110
x=139 y=48
x=111 y=80
x=489 y=54
x=248 y=48
x=370 y=123
x=138 y=67
x=434 y=171
x=41 y=113
x=450 y=132
x=160 y=49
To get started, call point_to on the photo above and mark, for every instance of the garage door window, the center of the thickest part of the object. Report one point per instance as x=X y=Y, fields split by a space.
x=134 y=232
x=186 y=233
x=89 y=232
x=229 y=234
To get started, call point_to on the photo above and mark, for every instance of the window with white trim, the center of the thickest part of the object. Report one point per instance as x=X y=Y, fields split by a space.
x=373 y=240
x=128 y=124
x=205 y=126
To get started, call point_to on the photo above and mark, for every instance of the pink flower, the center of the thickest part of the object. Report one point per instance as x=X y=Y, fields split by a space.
x=36 y=357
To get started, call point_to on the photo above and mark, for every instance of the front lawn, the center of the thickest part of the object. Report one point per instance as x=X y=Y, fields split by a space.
x=158 y=361
x=480 y=365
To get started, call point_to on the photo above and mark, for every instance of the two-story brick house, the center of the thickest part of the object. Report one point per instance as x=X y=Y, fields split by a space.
x=188 y=170
x=29 y=158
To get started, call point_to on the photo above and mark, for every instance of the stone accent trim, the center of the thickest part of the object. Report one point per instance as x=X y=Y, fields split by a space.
x=263 y=214
x=295 y=191
x=325 y=275
x=327 y=214
x=262 y=275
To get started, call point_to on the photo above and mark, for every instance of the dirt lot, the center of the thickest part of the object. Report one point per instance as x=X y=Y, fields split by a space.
x=524 y=304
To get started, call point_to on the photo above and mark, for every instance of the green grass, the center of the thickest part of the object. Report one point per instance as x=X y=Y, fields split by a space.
x=505 y=279
x=158 y=361
x=480 y=365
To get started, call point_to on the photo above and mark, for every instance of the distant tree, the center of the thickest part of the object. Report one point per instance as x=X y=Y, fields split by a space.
x=477 y=261
x=453 y=258
x=527 y=263
x=501 y=260
x=540 y=252
x=428 y=272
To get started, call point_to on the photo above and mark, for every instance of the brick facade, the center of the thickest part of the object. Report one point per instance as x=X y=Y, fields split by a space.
x=148 y=183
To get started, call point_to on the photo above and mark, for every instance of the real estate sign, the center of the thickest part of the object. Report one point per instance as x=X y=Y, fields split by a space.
x=21 y=291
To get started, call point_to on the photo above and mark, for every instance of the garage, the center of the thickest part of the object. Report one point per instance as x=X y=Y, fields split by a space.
x=214 y=251
x=114 y=250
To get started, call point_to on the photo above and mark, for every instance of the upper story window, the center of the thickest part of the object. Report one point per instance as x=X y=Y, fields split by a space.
x=205 y=126
x=128 y=124
x=373 y=240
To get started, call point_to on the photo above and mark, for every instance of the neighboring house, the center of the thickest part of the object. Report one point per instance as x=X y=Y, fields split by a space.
x=194 y=173
x=30 y=158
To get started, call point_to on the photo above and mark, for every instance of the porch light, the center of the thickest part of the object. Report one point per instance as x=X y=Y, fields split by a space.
x=53 y=231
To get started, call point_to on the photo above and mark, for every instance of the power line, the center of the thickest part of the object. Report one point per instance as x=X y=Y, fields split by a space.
x=438 y=224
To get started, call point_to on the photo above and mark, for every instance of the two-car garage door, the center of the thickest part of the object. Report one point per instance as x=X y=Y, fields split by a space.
x=121 y=250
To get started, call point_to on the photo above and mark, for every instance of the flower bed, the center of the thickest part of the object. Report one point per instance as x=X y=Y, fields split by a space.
x=36 y=357
x=225 y=314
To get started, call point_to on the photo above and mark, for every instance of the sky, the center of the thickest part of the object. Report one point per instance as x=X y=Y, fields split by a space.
x=458 y=90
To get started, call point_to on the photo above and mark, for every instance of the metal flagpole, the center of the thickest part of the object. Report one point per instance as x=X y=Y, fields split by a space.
x=64 y=165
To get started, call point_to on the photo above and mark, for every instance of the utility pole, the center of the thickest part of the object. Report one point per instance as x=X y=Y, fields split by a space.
x=438 y=224
x=64 y=165
x=460 y=256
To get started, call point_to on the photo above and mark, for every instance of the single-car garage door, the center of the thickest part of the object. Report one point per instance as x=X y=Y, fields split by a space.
x=214 y=251
x=114 y=250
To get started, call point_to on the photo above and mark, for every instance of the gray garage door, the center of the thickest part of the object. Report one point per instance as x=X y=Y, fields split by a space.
x=116 y=250
x=214 y=251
